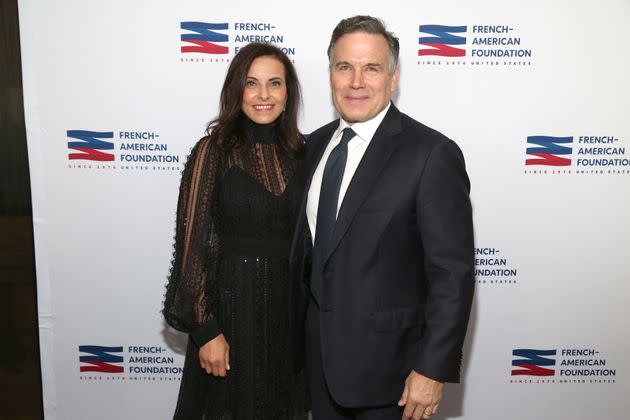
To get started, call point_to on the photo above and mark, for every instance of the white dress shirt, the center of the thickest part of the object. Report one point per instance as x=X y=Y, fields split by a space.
x=356 y=149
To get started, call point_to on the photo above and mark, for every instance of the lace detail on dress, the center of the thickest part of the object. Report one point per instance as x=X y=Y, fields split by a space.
x=265 y=164
x=186 y=299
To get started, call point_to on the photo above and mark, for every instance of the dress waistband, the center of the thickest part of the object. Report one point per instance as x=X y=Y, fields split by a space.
x=277 y=247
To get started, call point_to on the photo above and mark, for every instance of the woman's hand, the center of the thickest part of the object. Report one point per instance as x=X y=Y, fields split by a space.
x=214 y=356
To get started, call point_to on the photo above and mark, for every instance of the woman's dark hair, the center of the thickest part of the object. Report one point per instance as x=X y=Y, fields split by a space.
x=228 y=129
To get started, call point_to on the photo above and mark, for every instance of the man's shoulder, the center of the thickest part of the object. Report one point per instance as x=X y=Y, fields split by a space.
x=420 y=138
x=324 y=130
x=420 y=130
x=316 y=140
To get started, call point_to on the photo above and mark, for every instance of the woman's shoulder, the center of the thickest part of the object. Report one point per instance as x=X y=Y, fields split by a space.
x=203 y=143
x=205 y=151
x=207 y=145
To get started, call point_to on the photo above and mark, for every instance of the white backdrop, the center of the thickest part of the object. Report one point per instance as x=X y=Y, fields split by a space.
x=552 y=241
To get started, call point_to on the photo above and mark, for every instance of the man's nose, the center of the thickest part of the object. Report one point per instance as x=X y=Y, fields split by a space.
x=357 y=79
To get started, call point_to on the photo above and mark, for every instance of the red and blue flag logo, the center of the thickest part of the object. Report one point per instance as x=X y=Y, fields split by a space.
x=533 y=362
x=204 y=39
x=443 y=42
x=101 y=359
x=90 y=145
x=549 y=151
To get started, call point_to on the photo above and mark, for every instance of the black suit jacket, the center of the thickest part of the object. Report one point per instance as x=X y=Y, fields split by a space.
x=398 y=281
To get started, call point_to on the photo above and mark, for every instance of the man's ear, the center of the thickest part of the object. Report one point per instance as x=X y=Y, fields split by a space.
x=394 y=83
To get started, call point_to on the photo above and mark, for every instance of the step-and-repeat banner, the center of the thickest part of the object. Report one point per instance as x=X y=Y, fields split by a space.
x=536 y=93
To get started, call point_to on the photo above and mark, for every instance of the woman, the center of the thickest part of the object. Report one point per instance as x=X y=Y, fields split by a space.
x=229 y=278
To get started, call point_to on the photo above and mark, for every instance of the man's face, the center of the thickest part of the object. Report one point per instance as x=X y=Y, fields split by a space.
x=360 y=79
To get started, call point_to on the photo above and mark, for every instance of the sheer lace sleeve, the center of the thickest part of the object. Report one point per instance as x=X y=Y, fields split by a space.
x=191 y=291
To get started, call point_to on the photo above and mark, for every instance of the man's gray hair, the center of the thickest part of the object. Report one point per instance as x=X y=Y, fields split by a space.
x=370 y=25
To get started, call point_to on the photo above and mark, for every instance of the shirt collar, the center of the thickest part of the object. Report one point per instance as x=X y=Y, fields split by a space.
x=364 y=130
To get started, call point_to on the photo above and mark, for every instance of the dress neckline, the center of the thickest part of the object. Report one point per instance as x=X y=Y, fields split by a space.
x=262 y=133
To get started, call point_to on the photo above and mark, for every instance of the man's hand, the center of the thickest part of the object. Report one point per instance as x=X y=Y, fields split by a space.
x=421 y=397
x=214 y=356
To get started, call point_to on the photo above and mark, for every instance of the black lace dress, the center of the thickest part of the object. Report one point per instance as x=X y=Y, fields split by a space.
x=230 y=275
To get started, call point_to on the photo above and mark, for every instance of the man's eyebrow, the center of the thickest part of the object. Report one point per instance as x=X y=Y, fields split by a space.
x=338 y=63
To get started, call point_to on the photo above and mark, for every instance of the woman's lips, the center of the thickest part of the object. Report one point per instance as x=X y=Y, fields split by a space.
x=263 y=107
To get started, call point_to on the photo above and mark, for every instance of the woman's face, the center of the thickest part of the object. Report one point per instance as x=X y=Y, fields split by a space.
x=265 y=92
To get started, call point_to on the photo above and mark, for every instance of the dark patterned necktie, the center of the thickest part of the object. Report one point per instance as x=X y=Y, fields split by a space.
x=327 y=209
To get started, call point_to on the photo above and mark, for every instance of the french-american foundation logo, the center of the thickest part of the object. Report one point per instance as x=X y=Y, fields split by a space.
x=204 y=38
x=101 y=359
x=560 y=366
x=472 y=45
x=90 y=145
x=494 y=266
x=579 y=155
x=443 y=41
x=120 y=150
x=549 y=151
x=533 y=362
x=128 y=363
x=218 y=41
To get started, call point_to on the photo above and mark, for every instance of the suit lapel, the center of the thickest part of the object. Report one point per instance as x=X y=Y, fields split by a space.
x=313 y=157
x=376 y=156
x=319 y=146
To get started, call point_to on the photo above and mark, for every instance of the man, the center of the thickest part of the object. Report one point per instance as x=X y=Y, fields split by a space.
x=382 y=258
